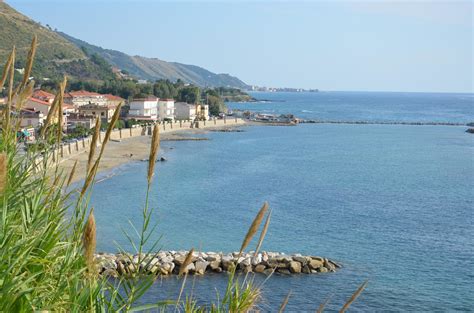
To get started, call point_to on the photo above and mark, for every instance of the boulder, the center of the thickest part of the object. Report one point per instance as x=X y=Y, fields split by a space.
x=315 y=264
x=302 y=259
x=260 y=268
x=322 y=269
x=306 y=269
x=284 y=271
x=295 y=267
x=201 y=267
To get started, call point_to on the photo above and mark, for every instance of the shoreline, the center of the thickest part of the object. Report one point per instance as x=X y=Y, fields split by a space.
x=133 y=149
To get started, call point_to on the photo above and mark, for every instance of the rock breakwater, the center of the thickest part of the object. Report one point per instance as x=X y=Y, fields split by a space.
x=170 y=262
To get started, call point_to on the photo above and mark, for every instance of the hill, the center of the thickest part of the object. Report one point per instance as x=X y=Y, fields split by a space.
x=55 y=55
x=154 y=68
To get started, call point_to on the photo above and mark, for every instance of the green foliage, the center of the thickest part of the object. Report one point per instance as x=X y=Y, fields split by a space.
x=189 y=94
x=78 y=132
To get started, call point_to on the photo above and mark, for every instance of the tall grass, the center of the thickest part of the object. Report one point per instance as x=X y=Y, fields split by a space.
x=48 y=237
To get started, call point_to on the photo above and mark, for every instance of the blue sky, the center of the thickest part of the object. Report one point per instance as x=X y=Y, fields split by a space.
x=330 y=45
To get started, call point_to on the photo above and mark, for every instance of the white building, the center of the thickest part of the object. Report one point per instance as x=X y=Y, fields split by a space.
x=166 y=109
x=144 y=109
x=185 y=111
x=82 y=97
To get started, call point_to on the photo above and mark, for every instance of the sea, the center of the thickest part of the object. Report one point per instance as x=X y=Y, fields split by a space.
x=392 y=203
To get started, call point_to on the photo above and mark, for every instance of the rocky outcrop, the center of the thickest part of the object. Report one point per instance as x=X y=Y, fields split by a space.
x=170 y=262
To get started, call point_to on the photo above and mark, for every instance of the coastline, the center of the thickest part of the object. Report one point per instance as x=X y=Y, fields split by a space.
x=133 y=149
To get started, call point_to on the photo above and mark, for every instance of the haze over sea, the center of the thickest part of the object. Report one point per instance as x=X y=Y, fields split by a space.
x=392 y=203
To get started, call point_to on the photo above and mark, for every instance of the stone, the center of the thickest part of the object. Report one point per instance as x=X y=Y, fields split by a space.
x=260 y=268
x=283 y=271
x=190 y=268
x=110 y=272
x=120 y=268
x=306 y=269
x=295 y=267
x=257 y=259
x=268 y=271
x=315 y=264
x=322 y=269
x=201 y=267
x=214 y=265
x=329 y=265
x=302 y=259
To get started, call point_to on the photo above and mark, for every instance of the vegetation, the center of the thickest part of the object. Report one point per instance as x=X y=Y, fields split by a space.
x=48 y=234
x=55 y=55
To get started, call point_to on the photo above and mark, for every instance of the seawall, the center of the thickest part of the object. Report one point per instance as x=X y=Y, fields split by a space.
x=170 y=263
x=68 y=150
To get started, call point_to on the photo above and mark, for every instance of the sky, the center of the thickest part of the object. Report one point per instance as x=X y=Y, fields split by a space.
x=380 y=45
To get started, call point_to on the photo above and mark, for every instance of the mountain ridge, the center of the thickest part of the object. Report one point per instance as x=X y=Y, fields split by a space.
x=155 y=68
x=59 y=54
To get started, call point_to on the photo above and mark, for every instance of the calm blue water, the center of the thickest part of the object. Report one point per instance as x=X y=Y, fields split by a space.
x=364 y=106
x=392 y=203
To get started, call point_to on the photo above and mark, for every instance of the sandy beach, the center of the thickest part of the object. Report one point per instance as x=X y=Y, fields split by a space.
x=130 y=150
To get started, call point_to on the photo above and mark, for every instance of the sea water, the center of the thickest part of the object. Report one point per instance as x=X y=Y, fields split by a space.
x=392 y=203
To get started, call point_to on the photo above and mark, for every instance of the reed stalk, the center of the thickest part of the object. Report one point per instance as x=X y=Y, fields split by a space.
x=3 y=172
x=155 y=146
x=263 y=233
x=93 y=145
x=71 y=174
x=254 y=227
x=354 y=296
x=284 y=303
x=187 y=261
x=90 y=241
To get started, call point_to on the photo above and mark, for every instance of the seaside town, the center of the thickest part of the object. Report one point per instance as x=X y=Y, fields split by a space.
x=81 y=108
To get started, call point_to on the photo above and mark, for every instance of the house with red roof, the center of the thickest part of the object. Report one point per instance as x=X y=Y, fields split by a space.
x=82 y=97
x=43 y=95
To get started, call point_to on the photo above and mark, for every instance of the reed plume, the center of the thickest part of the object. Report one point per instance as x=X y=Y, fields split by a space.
x=264 y=232
x=29 y=64
x=187 y=261
x=6 y=125
x=93 y=144
x=24 y=95
x=3 y=171
x=354 y=296
x=62 y=87
x=6 y=68
x=89 y=241
x=71 y=174
x=91 y=174
x=155 y=146
x=284 y=303
x=52 y=111
x=254 y=227
x=323 y=305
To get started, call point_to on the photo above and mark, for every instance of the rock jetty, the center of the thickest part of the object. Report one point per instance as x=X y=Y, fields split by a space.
x=170 y=262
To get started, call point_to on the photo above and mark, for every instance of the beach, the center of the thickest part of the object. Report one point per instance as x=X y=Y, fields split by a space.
x=133 y=149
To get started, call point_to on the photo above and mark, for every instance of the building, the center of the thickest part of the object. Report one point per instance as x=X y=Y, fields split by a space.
x=37 y=105
x=30 y=118
x=144 y=109
x=202 y=112
x=114 y=100
x=76 y=119
x=166 y=109
x=105 y=112
x=43 y=95
x=82 y=97
x=185 y=111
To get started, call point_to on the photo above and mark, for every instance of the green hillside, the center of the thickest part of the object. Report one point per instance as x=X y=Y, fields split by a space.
x=154 y=68
x=55 y=56
x=59 y=54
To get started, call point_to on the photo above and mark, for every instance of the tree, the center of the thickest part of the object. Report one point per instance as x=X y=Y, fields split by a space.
x=191 y=94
